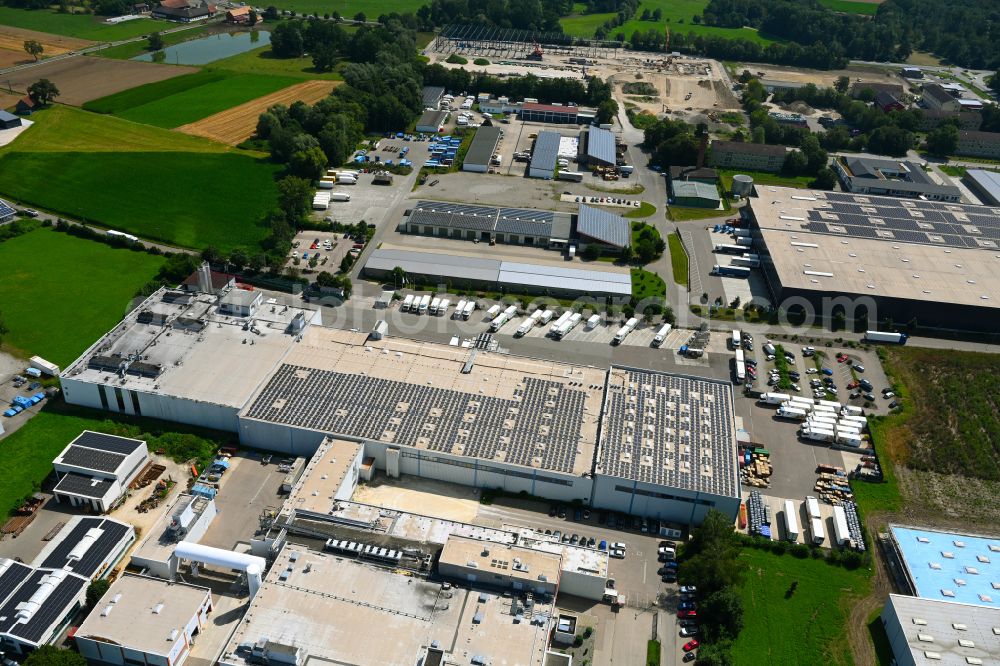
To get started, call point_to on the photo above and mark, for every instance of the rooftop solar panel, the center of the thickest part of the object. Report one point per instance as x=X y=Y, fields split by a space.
x=110 y=443
x=85 y=458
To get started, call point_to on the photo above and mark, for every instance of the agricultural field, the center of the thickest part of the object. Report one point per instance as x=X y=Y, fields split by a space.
x=170 y=187
x=867 y=8
x=348 y=8
x=85 y=287
x=235 y=125
x=84 y=78
x=677 y=15
x=81 y=26
x=12 y=45
x=944 y=452
x=806 y=624
x=188 y=98
x=260 y=61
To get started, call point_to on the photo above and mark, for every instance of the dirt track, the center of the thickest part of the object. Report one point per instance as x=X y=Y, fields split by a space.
x=238 y=124
x=83 y=78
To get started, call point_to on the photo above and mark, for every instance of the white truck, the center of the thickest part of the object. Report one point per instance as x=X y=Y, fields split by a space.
x=468 y=310
x=623 y=332
x=812 y=507
x=528 y=324
x=425 y=302
x=821 y=422
x=861 y=421
x=817 y=434
x=881 y=336
x=443 y=307
x=407 y=303
x=493 y=312
x=773 y=398
x=745 y=242
x=661 y=335
x=853 y=441
x=800 y=400
x=816 y=530
x=841 y=533
x=791 y=413
x=435 y=302
x=340 y=196
x=460 y=309
x=563 y=318
x=593 y=322
x=503 y=318
x=568 y=326
x=852 y=410
x=546 y=317
x=791 y=521
x=825 y=409
x=745 y=262
x=829 y=403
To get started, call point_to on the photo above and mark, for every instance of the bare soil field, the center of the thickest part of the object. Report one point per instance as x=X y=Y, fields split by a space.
x=823 y=78
x=10 y=57
x=13 y=39
x=8 y=100
x=83 y=78
x=235 y=125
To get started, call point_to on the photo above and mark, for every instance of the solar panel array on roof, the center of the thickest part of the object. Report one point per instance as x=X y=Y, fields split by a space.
x=15 y=574
x=601 y=145
x=540 y=427
x=108 y=542
x=917 y=221
x=520 y=221
x=603 y=226
x=669 y=430
x=545 y=152
x=6 y=210
x=78 y=484
x=86 y=458
x=54 y=607
x=110 y=443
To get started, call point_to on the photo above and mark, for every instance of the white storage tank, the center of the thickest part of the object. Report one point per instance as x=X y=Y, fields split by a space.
x=742 y=185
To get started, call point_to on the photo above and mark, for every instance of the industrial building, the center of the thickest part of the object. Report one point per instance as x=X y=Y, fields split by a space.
x=937 y=98
x=872 y=257
x=500 y=565
x=984 y=184
x=143 y=620
x=322 y=607
x=948 y=566
x=432 y=97
x=597 y=147
x=695 y=194
x=668 y=446
x=176 y=357
x=603 y=228
x=484 y=150
x=460 y=415
x=38 y=601
x=240 y=303
x=489 y=224
x=556 y=113
x=544 y=155
x=95 y=469
x=187 y=519
x=748 y=156
x=978 y=144
x=921 y=631
x=431 y=121
x=894 y=178
x=468 y=271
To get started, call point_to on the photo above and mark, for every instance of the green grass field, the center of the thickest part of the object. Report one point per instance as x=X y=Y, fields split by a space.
x=152 y=182
x=348 y=8
x=647 y=285
x=851 y=6
x=808 y=627
x=81 y=26
x=674 y=11
x=678 y=259
x=133 y=49
x=764 y=178
x=59 y=293
x=188 y=98
x=260 y=61
x=66 y=129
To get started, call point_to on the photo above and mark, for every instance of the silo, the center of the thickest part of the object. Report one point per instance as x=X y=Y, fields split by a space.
x=742 y=185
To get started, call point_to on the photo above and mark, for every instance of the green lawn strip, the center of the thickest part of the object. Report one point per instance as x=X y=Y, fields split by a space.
x=261 y=61
x=81 y=26
x=205 y=199
x=372 y=9
x=804 y=626
x=781 y=365
x=647 y=285
x=685 y=214
x=29 y=451
x=678 y=259
x=763 y=178
x=957 y=171
x=646 y=209
x=185 y=99
x=66 y=129
x=851 y=6
x=133 y=49
x=58 y=293
x=653 y=653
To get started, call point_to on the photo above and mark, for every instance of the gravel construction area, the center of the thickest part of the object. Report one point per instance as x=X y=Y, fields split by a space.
x=83 y=78
x=236 y=125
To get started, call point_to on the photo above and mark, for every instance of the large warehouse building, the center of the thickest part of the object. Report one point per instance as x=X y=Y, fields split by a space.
x=483 y=151
x=878 y=257
x=518 y=226
x=922 y=632
x=544 y=155
x=554 y=430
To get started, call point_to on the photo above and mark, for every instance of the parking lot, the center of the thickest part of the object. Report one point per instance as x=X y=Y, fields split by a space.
x=246 y=490
x=329 y=246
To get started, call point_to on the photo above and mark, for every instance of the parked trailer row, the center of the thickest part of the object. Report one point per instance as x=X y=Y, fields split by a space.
x=882 y=336
x=503 y=318
x=623 y=332
x=791 y=521
x=567 y=326
x=731 y=271
x=528 y=323
x=661 y=335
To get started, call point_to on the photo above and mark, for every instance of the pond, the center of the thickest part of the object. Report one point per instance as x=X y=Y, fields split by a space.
x=209 y=49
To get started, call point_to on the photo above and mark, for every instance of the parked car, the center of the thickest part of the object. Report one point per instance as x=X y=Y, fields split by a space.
x=888 y=394
x=669 y=577
x=687 y=605
x=691 y=645
x=688 y=589
x=894 y=404
x=689 y=656
x=859 y=367
x=870 y=397
x=689 y=631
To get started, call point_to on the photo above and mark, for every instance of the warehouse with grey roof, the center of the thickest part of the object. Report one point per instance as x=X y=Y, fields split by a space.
x=866 y=257
x=544 y=155
x=484 y=148
x=598 y=147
